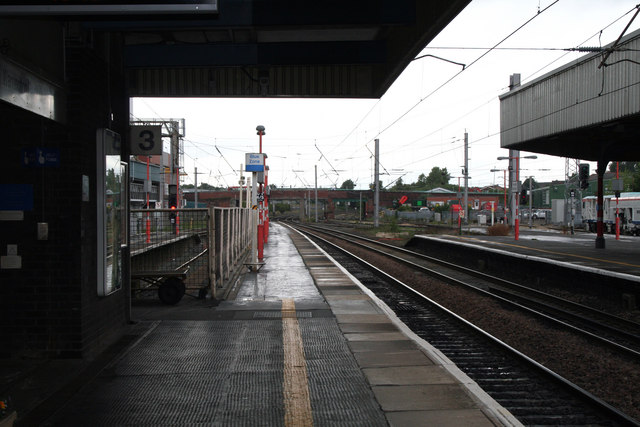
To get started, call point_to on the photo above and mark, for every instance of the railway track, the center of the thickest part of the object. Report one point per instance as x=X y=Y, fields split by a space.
x=621 y=334
x=532 y=392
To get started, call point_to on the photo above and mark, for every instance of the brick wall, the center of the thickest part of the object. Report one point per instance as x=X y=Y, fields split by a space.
x=96 y=100
x=50 y=306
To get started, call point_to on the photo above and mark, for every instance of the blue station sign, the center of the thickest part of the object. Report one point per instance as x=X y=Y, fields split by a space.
x=254 y=162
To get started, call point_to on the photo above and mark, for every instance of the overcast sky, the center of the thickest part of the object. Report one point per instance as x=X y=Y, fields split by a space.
x=422 y=118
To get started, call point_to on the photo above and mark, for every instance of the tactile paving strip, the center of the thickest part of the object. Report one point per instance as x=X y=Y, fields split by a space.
x=278 y=314
x=340 y=394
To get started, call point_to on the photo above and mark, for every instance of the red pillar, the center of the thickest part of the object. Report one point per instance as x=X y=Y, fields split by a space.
x=600 y=205
x=178 y=202
x=517 y=196
x=266 y=203
x=147 y=207
x=617 y=212
x=260 y=212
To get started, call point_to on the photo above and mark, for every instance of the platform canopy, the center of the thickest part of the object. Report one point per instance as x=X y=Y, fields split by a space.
x=583 y=110
x=278 y=48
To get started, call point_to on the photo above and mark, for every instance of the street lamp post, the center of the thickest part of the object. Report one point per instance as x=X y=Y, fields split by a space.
x=515 y=193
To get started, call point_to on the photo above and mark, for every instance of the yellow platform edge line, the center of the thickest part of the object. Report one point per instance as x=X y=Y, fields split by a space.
x=297 y=402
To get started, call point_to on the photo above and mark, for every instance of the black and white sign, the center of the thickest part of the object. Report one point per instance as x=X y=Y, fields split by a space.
x=146 y=140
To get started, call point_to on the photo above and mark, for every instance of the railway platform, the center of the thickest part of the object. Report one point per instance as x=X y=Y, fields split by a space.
x=607 y=277
x=299 y=342
x=619 y=258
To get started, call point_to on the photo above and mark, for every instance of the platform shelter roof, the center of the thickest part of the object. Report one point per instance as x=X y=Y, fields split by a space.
x=588 y=109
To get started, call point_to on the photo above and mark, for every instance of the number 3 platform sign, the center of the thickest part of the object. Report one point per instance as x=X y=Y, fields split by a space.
x=146 y=140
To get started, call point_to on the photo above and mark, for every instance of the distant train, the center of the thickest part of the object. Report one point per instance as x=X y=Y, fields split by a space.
x=628 y=210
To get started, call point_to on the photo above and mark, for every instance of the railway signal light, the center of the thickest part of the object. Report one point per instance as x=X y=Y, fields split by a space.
x=173 y=196
x=583 y=175
x=524 y=199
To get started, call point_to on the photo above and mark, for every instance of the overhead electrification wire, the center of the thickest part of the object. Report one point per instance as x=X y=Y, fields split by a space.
x=357 y=126
x=381 y=165
x=453 y=77
x=523 y=124
x=226 y=161
x=579 y=48
x=325 y=158
x=615 y=44
x=596 y=34
x=463 y=70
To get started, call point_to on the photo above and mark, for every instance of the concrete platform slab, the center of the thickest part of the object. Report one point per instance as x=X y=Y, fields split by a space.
x=440 y=418
x=354 y=307
x=345 y=297
x=382 y=346
x=409 y=375
x=375 y=336
x=423 y=397
x=332 y=284
x=368 y=327
x=338 y=290
x=361 y=318
x=373 y=359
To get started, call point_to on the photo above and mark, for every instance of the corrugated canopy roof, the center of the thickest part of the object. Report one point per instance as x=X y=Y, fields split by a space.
x=579 y=110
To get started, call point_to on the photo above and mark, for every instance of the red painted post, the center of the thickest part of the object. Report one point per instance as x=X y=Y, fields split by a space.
x=148 y=218
x=266 y=203
x=600 y=244
x=617 y=212
x=178 y=202
x=261 y=239
x=517 y=196
x=504 y=179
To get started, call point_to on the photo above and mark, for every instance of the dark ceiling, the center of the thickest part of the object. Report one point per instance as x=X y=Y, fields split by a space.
x=280 y=48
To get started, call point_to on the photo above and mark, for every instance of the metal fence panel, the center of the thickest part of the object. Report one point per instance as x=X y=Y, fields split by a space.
x=200 y=247
x=169 y=243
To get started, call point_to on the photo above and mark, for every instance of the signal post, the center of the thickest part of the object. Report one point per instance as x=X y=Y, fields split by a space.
x=255 y=163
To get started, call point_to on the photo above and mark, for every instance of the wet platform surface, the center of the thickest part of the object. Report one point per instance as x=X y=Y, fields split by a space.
x=301 y=344
x=619 y=257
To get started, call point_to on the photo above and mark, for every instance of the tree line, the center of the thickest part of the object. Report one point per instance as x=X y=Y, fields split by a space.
x=437 y=178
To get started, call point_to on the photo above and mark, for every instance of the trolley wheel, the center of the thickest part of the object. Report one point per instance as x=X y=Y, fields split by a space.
x=171 y=291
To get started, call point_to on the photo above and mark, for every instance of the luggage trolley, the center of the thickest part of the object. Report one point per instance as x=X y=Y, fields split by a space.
x=170 y=284
x=170 y=260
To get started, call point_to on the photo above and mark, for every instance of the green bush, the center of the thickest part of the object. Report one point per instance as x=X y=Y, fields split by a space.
x=282 y=207
x=441 y=208
x=498 y=230
x=391 y=224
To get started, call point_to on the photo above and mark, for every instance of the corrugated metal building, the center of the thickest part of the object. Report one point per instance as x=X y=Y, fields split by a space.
x=581 y=110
